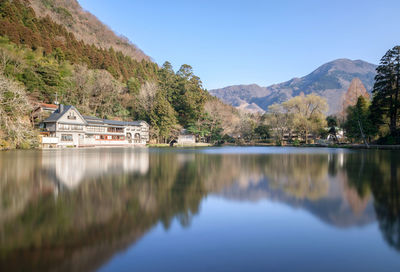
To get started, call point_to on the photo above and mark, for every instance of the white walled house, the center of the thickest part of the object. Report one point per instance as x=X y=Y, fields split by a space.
x=68 y=127
x=186 y=138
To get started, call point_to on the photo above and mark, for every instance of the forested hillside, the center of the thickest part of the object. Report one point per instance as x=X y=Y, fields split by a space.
x=85 y=26
x=46 y=59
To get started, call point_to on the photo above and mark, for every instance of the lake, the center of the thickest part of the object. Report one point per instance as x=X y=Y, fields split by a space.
x=206 y=209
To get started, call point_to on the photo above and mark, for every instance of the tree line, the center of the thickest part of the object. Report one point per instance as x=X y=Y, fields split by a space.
x=375 y=121
x=378 y=120
x=40 y=59
x=44 y=60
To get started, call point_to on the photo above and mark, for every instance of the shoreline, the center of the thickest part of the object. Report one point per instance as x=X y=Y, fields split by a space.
x=348 y=146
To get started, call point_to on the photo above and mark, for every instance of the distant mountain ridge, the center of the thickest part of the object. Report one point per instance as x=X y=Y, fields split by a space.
x=331 y=80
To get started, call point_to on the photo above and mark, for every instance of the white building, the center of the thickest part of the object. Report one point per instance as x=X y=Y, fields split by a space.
x=185 y=138
x=67 y=127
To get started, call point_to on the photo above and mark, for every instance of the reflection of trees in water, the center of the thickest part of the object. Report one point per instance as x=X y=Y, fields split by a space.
x=304 y=176
x=387 y=202
x=103 y=209
x=379 y=172
x=107 y=212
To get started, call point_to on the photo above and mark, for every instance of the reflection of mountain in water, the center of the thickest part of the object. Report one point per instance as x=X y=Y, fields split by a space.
x=114 y=196
x=333 y=210
x=304 y=182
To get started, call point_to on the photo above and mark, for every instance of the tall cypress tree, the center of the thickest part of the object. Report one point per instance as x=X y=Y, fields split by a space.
x=385 y=103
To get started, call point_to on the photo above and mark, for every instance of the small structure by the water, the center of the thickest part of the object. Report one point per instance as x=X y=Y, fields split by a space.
x=42 y=111
x=67 y=127
x=186 y=138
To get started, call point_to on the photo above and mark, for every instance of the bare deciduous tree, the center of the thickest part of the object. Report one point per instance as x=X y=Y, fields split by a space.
x=15 y=127
x=147 y=95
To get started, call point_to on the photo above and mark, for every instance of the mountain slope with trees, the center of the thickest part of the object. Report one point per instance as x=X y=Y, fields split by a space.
x=85 y=26
x=46 y=60
x=330 y=81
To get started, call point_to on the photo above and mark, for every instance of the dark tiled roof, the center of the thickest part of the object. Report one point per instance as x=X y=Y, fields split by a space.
x=91 y=119
x=58 y=114
x=98 y=121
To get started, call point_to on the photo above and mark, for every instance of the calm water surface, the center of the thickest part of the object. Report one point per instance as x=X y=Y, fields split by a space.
x=211 y=209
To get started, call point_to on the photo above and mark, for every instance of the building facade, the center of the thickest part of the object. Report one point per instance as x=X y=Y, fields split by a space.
x=186 y=138
x=67 y=127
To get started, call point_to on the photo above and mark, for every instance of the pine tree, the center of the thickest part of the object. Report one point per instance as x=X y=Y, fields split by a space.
x=358 y=125
x=385 y=103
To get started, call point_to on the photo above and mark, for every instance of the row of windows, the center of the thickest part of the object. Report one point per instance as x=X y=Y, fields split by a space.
x=114 y=129
x=137 y=129
x=66 y=137
x=99 y=129
x=95 y=129
x=110 y=137
x=69 y=137
x=70 y=127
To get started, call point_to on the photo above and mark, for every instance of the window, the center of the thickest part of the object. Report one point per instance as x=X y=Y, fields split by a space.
x=76 y=127
x=66 y=138
x=95 y=129
x=63 y=127
x=115 y=129
x=71 y=116
x=118 y=137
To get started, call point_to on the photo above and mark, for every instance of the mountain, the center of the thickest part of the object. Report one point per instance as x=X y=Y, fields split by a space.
x=53 y=49
x=331 y=80
x=85 y=26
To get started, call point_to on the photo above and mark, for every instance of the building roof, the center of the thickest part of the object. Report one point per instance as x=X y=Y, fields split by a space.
x=51 y=106
x=98 y=121
x=55 y=116
x=45 y=107
x=62 y=109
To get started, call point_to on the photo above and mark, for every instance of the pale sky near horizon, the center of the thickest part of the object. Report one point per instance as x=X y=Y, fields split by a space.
x=243 y=42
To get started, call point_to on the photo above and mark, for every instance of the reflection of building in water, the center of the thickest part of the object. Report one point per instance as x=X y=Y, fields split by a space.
x=69 y=168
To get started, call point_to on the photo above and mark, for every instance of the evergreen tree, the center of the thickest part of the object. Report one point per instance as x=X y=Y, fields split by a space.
x=385 y=103
x=358 y=125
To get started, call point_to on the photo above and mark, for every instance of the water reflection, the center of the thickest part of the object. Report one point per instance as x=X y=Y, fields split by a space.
x=71 y=210
x=378 y=173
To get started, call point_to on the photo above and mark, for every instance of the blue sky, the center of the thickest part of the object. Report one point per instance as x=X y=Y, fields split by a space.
x=243 y=42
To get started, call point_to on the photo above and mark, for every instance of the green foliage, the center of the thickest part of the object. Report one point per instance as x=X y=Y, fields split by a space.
x=228 y=139
x=206 y=129
x=385 y=108
x=163 y=118
x=51 y=62
x=358 y=121
x=19 y=23
x=133 y=86
x=332 y=121
x=262 y=131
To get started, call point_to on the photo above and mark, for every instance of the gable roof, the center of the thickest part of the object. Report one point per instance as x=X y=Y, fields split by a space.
x=55 y=116
x=98 y=121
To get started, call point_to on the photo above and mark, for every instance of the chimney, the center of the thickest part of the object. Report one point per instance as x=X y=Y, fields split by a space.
x=56 y=101
x=60 y=108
